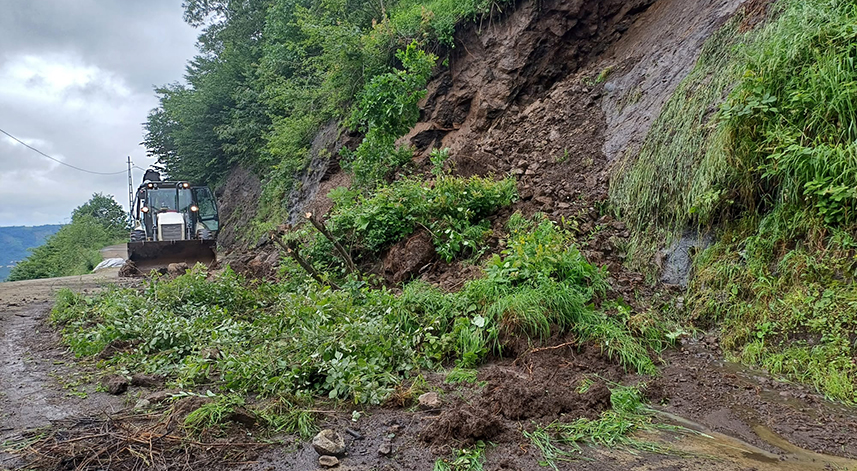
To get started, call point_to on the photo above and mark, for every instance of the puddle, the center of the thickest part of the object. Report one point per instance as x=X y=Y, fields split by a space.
x=793 y=458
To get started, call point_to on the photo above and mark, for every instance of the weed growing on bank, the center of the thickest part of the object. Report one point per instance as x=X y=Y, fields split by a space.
x=790 y=308
x=354 y=344
x=779 y=155
x=560 y=441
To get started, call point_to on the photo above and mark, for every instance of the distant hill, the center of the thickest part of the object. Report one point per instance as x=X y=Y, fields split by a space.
x=15 y=240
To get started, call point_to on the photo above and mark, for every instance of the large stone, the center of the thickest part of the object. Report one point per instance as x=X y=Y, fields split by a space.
x=429 y=400
x=328 y=461
x=329 y=442
x=677 y=261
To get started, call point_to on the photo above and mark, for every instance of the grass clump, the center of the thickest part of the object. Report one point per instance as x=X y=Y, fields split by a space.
x=214 y=413
x=783 y=134
x=679 y=175
x=785 y=306
x=561 y=441
x=466 y=459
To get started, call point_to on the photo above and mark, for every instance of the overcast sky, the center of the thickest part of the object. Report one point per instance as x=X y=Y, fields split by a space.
x=76 y=82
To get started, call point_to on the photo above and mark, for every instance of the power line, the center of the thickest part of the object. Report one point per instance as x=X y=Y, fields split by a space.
x=57 y=160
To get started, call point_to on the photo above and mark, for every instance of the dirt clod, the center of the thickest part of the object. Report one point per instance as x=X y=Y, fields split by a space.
x=408 y=257
x=177 y=269
x=115 y=384
x=386 y=447
x=328 y=461
x=147 y=381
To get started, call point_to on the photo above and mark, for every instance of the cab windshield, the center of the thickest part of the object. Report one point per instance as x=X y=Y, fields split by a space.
x=160 y=200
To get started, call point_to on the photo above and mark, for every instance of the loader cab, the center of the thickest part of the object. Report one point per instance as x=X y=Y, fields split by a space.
x=172 y=211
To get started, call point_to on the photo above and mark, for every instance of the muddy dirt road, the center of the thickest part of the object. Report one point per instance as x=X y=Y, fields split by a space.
x=40 y=382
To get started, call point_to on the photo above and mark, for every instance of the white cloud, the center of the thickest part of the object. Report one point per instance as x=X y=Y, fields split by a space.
x=76 y=82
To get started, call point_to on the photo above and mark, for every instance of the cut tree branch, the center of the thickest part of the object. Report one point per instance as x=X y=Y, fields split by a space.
x=292 y=250
x=349 y=263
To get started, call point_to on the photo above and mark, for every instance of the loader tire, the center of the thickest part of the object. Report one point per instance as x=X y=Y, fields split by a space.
x=203 y=234
x=138 y=236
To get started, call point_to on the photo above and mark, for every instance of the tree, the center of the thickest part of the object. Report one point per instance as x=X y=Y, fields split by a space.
x=105 y=211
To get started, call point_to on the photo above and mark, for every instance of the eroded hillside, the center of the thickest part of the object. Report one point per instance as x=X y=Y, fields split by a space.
x=502 y=236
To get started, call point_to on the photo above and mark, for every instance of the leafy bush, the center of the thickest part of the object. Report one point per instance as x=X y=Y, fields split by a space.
x=386 y=110
x=452 y=209
x=791 y=116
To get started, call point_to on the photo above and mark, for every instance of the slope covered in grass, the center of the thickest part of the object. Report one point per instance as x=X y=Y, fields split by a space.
x=775 y=166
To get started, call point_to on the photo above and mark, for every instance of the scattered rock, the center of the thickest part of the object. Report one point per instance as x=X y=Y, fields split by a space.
x=328 y=461
x=147 y=381
x=386 y=448
x=142 y=404
x=115 y=384
x=329 y=442
x=177 y=269
x=429 y=400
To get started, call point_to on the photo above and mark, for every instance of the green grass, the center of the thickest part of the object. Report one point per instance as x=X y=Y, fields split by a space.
x=560 y=441
x=465 y=459
x=788 y=307
x=762 y=133
x=212 y=414
x=680 y=173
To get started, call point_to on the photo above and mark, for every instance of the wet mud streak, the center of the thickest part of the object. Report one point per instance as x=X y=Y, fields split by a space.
x=34 y=366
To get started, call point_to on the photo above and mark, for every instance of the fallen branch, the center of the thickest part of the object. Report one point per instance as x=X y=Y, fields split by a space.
x=346 y=257
x=292 y=250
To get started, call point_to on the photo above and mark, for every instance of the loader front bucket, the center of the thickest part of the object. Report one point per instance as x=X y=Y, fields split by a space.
x=148 y=256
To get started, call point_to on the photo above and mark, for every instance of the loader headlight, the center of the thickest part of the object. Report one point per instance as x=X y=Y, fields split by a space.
x=185 y=185
x=150 y=185
x=194 y=208
x=145 y=209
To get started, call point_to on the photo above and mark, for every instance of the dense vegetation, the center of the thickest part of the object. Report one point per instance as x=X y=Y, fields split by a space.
x=16 y=240
x=271 y=72
x=74 y=248
x=776 y=165
x=299 y=340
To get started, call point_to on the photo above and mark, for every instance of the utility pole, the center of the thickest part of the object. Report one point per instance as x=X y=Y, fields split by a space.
x=130 y=192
